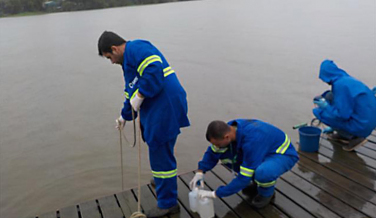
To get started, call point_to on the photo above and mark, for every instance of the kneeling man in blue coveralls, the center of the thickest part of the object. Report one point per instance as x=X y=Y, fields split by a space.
x=349 y=108
x=153 y=90
x=257 y=151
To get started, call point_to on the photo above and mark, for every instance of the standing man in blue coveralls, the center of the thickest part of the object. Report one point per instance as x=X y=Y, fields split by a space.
x=153 y=90
x=257 y=151
x=349 y=108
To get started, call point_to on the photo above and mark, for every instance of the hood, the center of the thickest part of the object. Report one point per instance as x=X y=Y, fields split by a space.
x=329 y=72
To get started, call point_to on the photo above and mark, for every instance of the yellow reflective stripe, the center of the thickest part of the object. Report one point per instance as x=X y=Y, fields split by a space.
x=126 y=95
x=218 y=150
x=134 y=93
x=287 y=145
x=265 y=185
x=146 y=63
x=226 y=161
x=246 y=172
x=167 y=71
x=282 y=149
x=165 y=174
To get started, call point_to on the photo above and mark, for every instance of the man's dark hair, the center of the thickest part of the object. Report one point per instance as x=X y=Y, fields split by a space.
x=217 y=130
x=108 y=39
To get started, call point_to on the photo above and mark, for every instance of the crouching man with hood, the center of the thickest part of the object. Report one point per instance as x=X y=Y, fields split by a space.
x=349 y=108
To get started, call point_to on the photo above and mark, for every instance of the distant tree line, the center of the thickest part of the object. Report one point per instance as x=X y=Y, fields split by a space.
x=10 y=7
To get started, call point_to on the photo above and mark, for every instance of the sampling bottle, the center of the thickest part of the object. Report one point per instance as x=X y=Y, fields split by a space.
x=193 y=200
x=205 y=207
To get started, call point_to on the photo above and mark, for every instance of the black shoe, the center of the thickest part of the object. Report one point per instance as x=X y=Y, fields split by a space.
x=261 y=201
x=337 y=138
x=354 y=143
x=152 y=183
x=250 y=190
x=159 y=212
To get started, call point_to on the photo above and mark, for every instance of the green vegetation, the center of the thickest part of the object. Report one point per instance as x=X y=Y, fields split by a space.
x=31 y=7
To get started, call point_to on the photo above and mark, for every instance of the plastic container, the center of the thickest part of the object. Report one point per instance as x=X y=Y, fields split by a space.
x=206 y=207
x=193 y=200
x=309 y=138
x=202 y=206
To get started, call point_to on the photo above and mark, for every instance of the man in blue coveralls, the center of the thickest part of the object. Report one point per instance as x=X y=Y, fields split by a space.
x=349 y=108
x=153 y=90
x=257 y=151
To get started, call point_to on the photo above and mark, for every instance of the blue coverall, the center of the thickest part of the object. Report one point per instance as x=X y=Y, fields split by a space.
x=163 y=112
x=262 y=153
x=353 y=108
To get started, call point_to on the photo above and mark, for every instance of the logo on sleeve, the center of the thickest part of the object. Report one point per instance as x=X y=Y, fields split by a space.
x=131 y=85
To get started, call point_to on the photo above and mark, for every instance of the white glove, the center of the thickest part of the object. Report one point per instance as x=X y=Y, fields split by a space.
x=136 y=102
x=120 y=123
x=199 y=176
x=206 y=194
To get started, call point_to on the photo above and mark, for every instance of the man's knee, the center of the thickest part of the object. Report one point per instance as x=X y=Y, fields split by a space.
x=265 y=174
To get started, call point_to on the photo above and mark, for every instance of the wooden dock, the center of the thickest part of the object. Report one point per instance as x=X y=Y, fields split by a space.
x=330 y=183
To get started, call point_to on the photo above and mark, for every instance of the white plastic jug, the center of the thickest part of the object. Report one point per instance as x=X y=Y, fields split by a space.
x=193 y=199
x=206 y=207
x=203 y=206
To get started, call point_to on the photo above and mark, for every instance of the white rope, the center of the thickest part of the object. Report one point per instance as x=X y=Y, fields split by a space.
x=138 y=213
x=121 y=161
x=127 y=143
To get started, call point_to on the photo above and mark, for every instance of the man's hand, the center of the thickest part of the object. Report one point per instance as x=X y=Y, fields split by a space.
x=327 y=130
x=206 y=194
x=136 y=101
x=120 y=123
x=322 y=103
x=199 y=177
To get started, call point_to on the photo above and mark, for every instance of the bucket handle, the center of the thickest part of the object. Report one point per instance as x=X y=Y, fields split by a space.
x=314 y=122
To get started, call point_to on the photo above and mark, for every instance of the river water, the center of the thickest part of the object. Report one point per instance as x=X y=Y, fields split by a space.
x=236 y=59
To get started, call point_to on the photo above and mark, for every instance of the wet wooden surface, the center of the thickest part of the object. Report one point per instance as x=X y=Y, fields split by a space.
x=329 y=183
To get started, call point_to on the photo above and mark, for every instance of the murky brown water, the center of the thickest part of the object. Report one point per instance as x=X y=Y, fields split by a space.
x=239 y=58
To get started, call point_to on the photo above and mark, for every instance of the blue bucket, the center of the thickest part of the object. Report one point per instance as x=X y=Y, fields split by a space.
x=309 y=138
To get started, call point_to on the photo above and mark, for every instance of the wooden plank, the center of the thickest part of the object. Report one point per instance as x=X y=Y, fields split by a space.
x=340 y=157
x=337 y=149
x=285 y=204
x=325 y=199
x=148 y=200
x=371 y=145
x=367 y=152
x=69 y=212
x=48 y=215
x=128 y=202
x=90 y=210
x=372 y=137
x=241 y=207
x=226 y=177
x=340 y=180
x=183 y=211
x=335 y=190
x=280 y=201
x=183 y=191
x=344 y=171
x=220 y=208
x=372 y=142
x=304 y=201
x=110 y=207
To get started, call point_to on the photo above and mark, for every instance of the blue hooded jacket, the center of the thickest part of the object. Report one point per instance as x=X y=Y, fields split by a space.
x=354 y=105
x=164 y=110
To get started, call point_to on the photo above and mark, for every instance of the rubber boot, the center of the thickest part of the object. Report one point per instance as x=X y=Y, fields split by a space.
x=159 y=212
x=261 y=201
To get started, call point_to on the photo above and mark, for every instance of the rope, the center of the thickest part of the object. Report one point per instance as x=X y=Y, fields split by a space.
x=129 y=144
x=121 y=161
x=138 y=214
